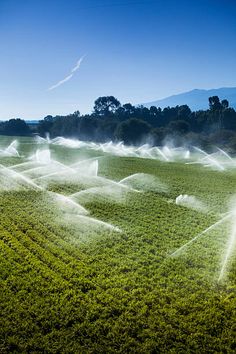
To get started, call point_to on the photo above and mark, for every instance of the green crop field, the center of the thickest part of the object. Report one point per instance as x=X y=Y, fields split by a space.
x=87 y=263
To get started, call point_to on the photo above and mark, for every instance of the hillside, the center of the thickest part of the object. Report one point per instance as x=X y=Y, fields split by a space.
x=196 y=99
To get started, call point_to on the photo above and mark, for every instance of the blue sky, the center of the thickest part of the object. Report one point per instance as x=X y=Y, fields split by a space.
x=136 y=50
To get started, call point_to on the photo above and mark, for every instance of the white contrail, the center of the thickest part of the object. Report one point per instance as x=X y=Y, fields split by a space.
x=68 y=77
x=60 y=82
x=78 y=64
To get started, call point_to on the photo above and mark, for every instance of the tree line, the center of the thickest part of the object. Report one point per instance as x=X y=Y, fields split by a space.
x=110 y=120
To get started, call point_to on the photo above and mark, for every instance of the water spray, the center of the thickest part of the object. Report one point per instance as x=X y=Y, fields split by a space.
x=219 y=222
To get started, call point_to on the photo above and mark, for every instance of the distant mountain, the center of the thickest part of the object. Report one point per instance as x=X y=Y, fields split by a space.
x=196 y=99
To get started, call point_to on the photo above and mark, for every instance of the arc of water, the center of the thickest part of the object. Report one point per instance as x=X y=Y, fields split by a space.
x=106 y=181
x=216 y=163
x=162 y=154
x=219 y=222
x=84 y=191
x=34 y=169
x=159 y=184
x=230 y=248
x=77 y=164
x=200 y=150
x=208 y=156
x=21 y=165
x=11 y=149
x=98 y=223
x=63 y=165
x=67 y=168
x=72 y=168
x=193 y=163
x=129 y=151
x=144 y=146
x=168 y=151
x=128 y=178
x=211 y=159
x=225 y=154
x=64 y=199
x=20 y=176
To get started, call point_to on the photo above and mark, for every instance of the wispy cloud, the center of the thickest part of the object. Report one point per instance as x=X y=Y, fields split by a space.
x=68 y=77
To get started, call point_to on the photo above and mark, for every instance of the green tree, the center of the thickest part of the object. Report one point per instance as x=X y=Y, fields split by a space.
x=225 y=104
x=132 y=131
x=16 y=127
x=45 y=125
x=178 y=127
x=184 y=112
x=88 y=128
x=154 y=111
x=217 y=108
x=105 y=106
x=214 y=103
x=229 y=119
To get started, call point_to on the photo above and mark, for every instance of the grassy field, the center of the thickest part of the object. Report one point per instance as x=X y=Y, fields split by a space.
x=70 y=287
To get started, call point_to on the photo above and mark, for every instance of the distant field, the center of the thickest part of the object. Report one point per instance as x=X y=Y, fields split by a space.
x=71 y=284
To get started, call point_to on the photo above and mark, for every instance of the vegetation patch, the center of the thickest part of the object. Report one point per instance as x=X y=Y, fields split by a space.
x=69 y=287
